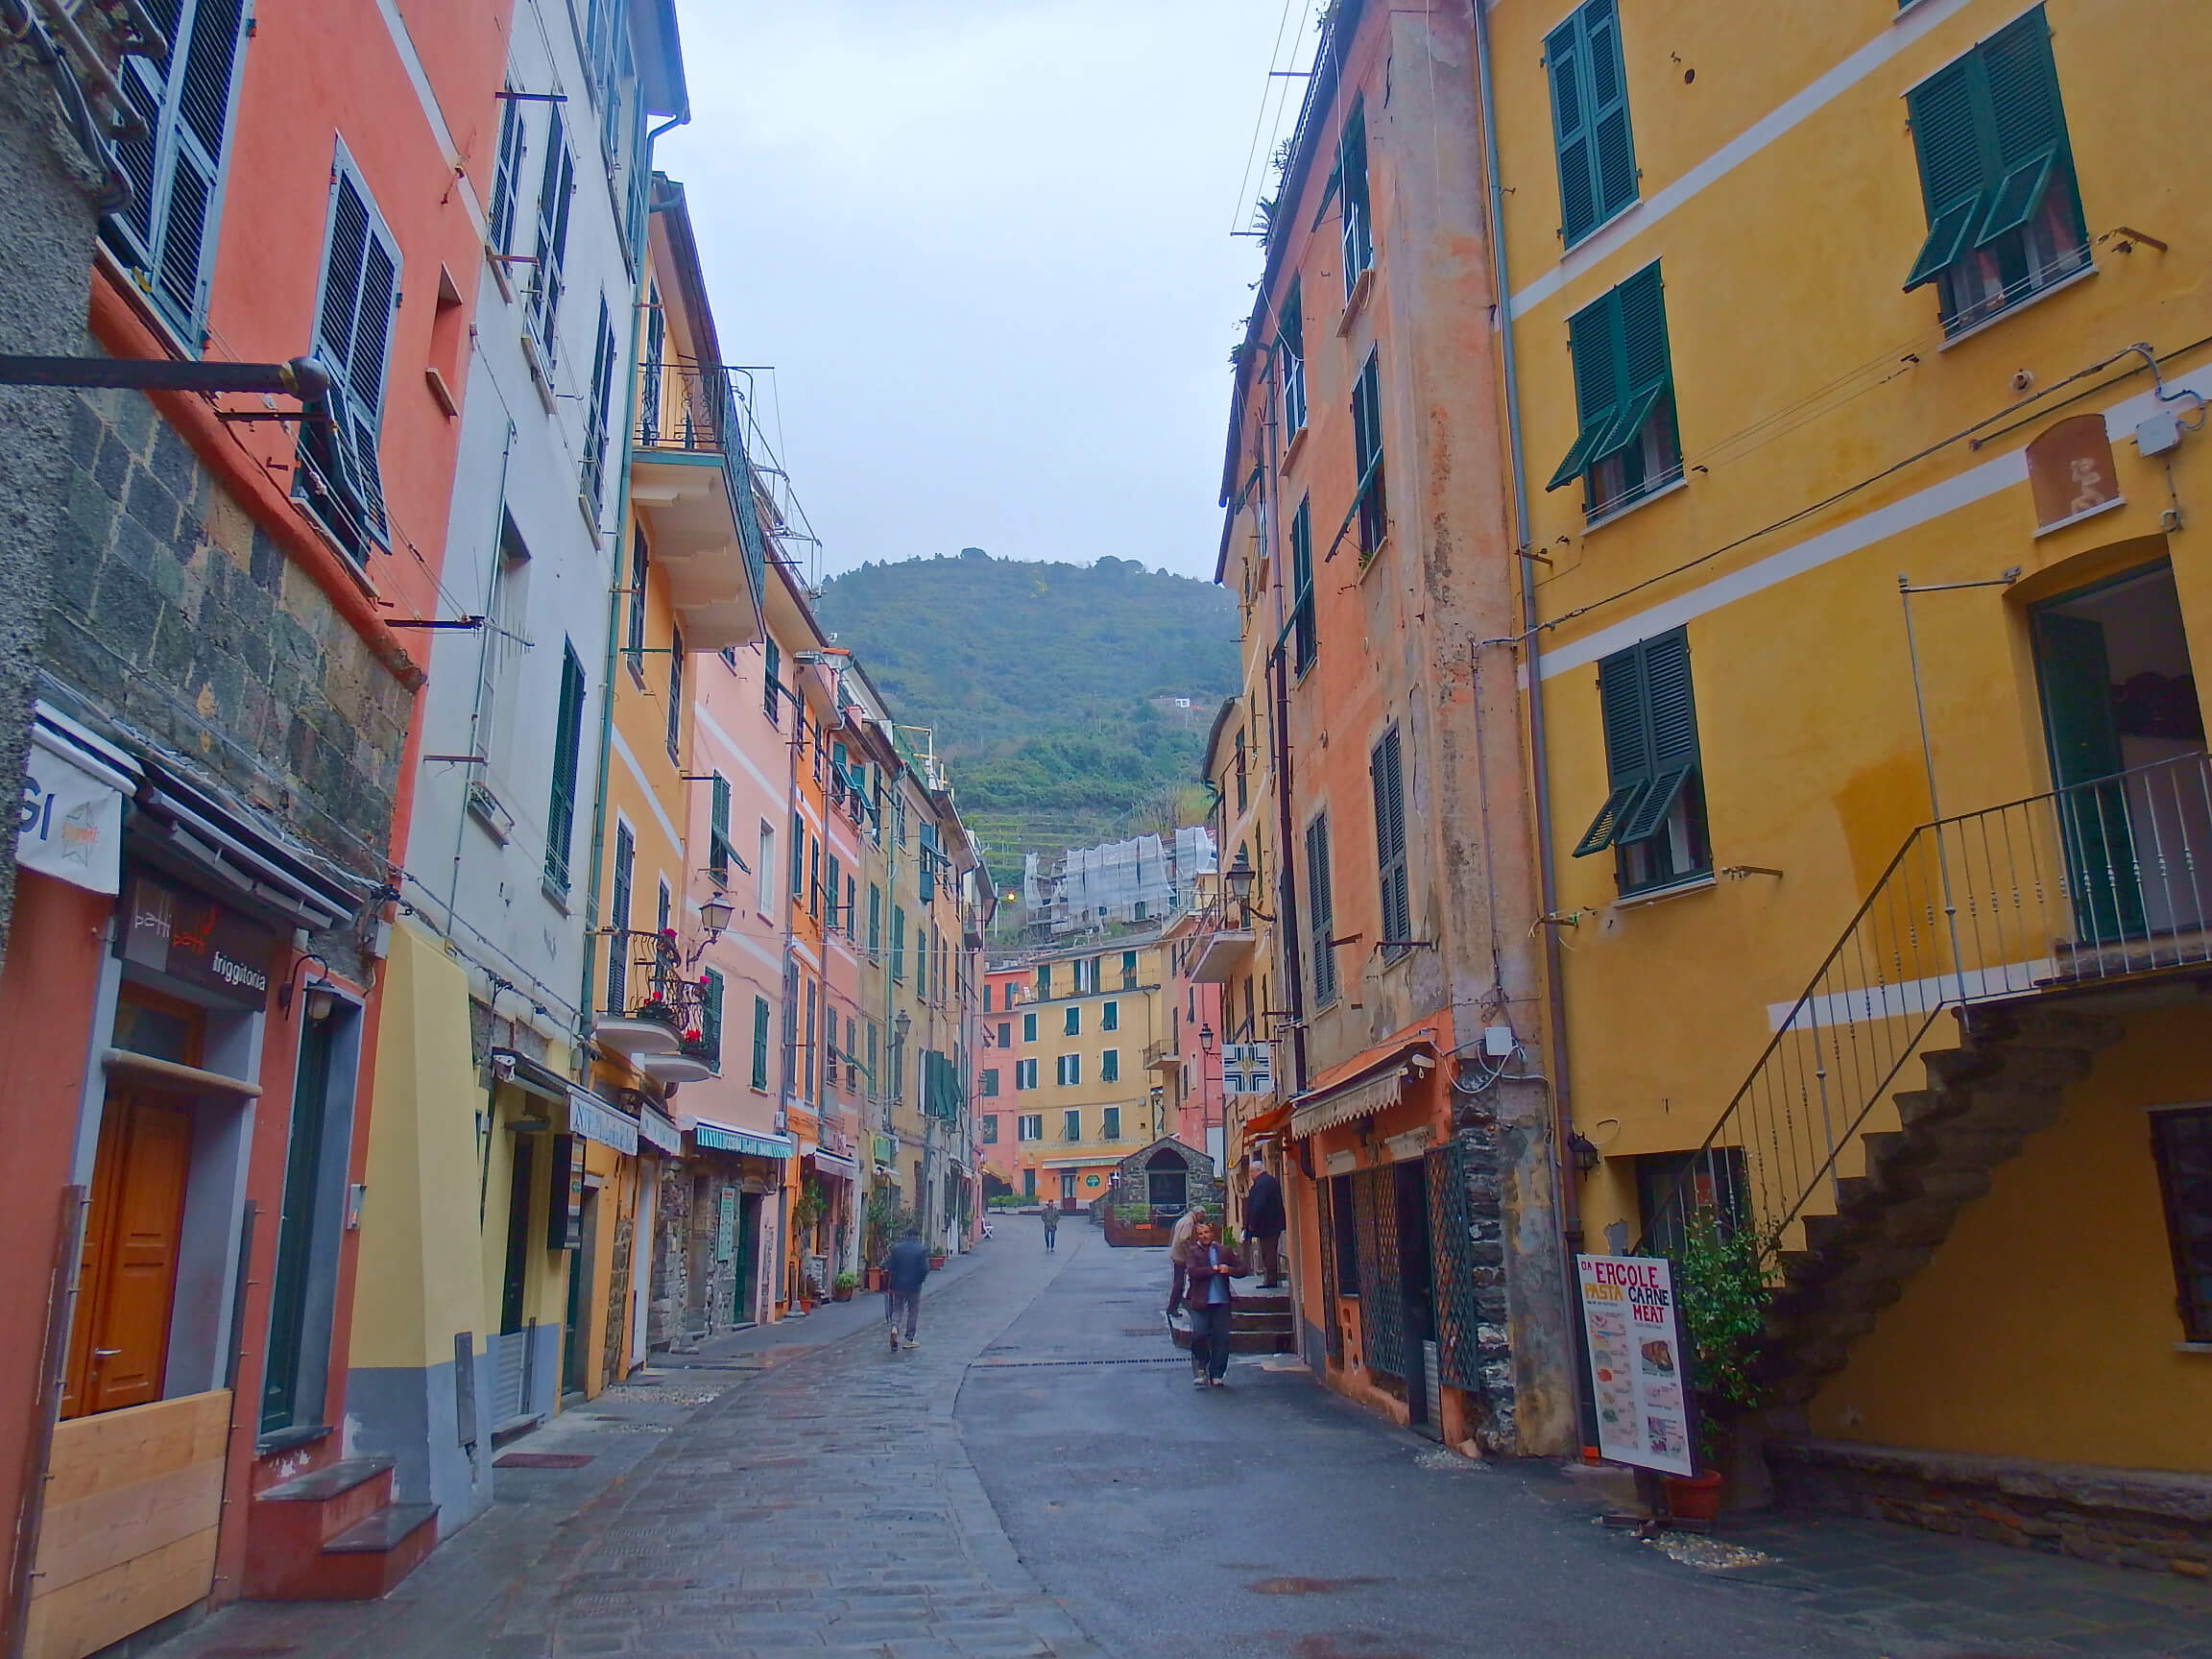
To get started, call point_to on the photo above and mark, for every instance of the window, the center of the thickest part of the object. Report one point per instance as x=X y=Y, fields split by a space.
x=797 y=854
x=1024 y=1074
x=759 y=1042
x=1290 y=359
x=814 y=877
x=718 y=851
x=836 y=881
x=1306 y=639
x=1236 y=771
x=618 y=919
x=339 y=476
x=875 y=920
x=675 y=694
x=1068 y=1071
x=1626 y=444
x=1996 y=177
x=1654 y=812
x=604 y=356
x=1072 y=1124
x=1006 y=1034
x=1128 y=969
x=1030 y=1126
x=1029 y=1178
x=874 y=1049
x=926 y=865
x=991 y=1119
x=1072 y=1021
x=166 y=233
x=764 y=864
x=1110 y=1017
x=1590 y=119
x=506 y=175
x=568 y=737
x=1044 y=983
x=1321 y=911
x=987 y=1081
x=710 y=1017
x=555 y=188
x=1367 y=456
x=2182 y=1142
x=500 y=656
x=898 y=941
x=852 y=910
x=1110 y=1065
x=640 y=561
x=771 y=693
x=986 y=989
x=1386 y=770
x=812 y=1024
x=1352 y=186
x=1028 y=1027
x=1110 y=1123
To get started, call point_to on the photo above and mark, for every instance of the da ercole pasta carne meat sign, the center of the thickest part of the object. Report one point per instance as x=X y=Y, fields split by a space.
x=1638 y=1367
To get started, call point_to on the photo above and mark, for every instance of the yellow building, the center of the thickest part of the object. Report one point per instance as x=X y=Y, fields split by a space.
x=1858 y=353
x=1072 y=1093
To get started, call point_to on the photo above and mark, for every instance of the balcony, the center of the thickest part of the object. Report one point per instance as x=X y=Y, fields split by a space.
x=1222 y=949
x=1164 y=1056
x=689 y=475
x=652 y=1010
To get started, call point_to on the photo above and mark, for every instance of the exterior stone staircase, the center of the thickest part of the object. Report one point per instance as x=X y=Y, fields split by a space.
x=1260 y=1322
x=2002 y=1082
x=335 y=1534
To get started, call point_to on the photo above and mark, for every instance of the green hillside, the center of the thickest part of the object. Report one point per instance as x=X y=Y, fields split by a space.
x=1051 y=688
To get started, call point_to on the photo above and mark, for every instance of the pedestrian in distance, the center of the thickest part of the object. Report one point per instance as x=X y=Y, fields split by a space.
x=1051 y=1225
x=1211 y=1265
x=1178 y=1258
x=1264 y=1223
x=903 y=1271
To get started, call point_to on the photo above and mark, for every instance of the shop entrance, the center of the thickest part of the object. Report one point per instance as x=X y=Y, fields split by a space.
x=745 y=1293
x=1417 y=1282
x=1068 y=1192
x=127 y=1278
x=575 y=1359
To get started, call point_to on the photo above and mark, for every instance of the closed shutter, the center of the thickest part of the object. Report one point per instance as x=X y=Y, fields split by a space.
x=568 y=740
x=618 y=919
x=1622 y=369
x=1651 y=755
x=1594 y=346
x=556 y=189
x=875 y=919
x=1387 y=774
x=2028 y=121
x=710 y=1019
x=1596 y=152
x=1320 y=909
x=719 y=829
x=926 y=866
x=342 y=478
x=1302 y=616
x=1951 y=168
x=507 y=176
x=1627 y=761
x=167 y=231
x=1367 y=452
x=604 y=355
x=759 y=1042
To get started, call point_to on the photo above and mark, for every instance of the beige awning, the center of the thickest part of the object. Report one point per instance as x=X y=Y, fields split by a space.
x=1361 y=1098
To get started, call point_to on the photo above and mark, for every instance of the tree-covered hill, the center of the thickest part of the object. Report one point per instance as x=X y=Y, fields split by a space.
x=1053 y=689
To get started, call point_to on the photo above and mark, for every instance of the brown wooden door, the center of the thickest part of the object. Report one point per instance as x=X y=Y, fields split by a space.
x=127 y=1277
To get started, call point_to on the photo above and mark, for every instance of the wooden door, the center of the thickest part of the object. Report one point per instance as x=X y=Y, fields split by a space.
x=127 y=1276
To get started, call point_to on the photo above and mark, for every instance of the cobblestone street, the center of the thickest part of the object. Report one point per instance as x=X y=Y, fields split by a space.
x=1040 y=1478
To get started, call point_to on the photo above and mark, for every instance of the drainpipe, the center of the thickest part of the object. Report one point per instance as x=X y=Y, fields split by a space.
x=1555 y=1005
x=486 y=644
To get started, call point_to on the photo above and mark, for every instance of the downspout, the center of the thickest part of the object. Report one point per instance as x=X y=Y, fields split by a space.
x=1555 y=1004
x=485 y=646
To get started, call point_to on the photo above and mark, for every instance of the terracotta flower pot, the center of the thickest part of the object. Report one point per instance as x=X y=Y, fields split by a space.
x=935 y=1262
x=843 y=1293
x=1694 y=1497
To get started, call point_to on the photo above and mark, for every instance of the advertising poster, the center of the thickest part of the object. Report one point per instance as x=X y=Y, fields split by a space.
x=1638 y=1367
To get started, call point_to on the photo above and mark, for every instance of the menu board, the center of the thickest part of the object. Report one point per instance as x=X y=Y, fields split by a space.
x=1638 y=1364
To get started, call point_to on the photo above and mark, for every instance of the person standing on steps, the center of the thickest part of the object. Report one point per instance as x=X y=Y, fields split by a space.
x=1211 y=1265
x=903 y=1271
x=1264 y=1223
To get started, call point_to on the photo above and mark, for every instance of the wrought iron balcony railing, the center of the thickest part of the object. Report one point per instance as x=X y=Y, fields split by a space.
x=645 y=981
x=693 y=408
x=2098 y=881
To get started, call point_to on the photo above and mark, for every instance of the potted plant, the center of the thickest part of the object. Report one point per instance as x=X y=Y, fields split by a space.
x=1721 y=1287
x=842 y=1286
x=660 y=1011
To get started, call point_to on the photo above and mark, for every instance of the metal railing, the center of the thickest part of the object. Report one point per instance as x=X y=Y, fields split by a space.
x=693 y=408
x=2096 y=882
x=645 y=981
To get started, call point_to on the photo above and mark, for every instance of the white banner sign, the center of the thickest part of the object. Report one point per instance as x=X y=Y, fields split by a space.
x=69 y=824
x=1637 y=1362
x=1248 y=1068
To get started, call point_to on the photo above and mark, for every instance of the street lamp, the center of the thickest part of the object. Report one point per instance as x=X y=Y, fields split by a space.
x=714 y=916
x=1206 y=1039
x=1239 y=879
x=901 y=1026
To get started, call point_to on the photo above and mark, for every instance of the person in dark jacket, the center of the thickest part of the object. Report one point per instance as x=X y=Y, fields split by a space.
x=1264 y=1223
x=1051 y=1223
x=903 y=1271
x=1210 y=1264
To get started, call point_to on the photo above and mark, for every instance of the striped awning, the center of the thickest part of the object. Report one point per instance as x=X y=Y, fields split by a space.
x=830 y=1164
x=721 y=1138
x=595 y=1121
x=658 y=1131
x=1373 y=1090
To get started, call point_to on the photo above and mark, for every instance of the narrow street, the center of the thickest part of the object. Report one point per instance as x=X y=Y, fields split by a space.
x=1040 y=1478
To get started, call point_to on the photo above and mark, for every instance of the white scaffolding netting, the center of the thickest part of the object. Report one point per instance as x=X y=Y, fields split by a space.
x=1123 y=882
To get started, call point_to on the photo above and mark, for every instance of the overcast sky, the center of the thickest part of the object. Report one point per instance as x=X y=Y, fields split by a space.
x=985 y=244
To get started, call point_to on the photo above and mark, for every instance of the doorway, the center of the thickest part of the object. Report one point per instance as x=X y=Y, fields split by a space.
x=745 y=1292
x=1417 y=1286
x=1068 y=1192
x=575 y=1356
x=127 y=1274
x=2126 y=737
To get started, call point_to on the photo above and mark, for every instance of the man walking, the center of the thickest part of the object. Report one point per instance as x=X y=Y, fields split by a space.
x=1211 y=1265
x=1051 y=1225
x=1264 y=1222
x=903 y=1271
x=1178 y=1258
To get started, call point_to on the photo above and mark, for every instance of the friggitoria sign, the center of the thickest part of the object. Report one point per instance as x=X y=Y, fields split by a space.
x=1637 y=1362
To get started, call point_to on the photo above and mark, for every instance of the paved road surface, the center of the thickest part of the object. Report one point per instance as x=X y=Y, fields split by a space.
x=1040 y=1478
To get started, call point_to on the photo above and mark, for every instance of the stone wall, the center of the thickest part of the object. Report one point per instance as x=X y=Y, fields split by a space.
x=1480 y=1161
x=693 y=1296
x=47 y=227
x=170 y=610
x=2157 y=1522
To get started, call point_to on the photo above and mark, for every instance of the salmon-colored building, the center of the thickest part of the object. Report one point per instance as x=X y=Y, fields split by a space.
x=225 y=745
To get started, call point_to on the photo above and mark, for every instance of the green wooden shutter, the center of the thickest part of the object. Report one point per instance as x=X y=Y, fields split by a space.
x=926 y=866
x=710 y=1019
x=1386 y=775
x=769 y=695
x=1321 y=911
x=506 y=175
x=1570 y=133
x=1627 y=747
x=719 y=829
x=1641 y=371
x=759 y=1042
x=1613 y=147
x=2028 y=124
x=1307 y=637
x=568 y=740
x=875 y=919
x=1670 y=721
x=675 y=692
x=618 y=919
x=1953 y=168
x=1594 y=344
